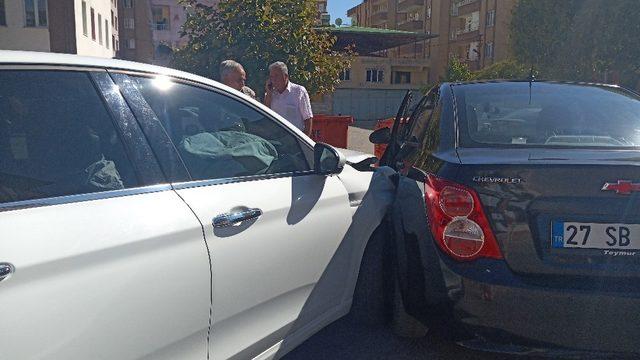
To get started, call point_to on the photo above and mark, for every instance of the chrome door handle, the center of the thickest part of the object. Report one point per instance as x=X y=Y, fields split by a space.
x=6 y=270
x=235 y=218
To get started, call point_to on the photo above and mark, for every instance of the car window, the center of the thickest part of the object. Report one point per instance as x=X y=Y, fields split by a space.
x=220 y=137
x=547 y=114
x=425 y=122
x=57 y=138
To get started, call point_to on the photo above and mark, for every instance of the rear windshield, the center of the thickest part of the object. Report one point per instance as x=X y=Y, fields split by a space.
x=546 y=114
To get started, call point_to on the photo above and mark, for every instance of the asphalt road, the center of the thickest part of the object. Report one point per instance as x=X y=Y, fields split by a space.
x=345 y=340
x=358 y=136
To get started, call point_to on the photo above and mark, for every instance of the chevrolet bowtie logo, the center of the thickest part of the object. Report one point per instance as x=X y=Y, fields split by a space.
x=623 y=187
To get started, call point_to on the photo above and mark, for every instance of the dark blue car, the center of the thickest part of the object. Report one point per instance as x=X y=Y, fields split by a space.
x=531 y=192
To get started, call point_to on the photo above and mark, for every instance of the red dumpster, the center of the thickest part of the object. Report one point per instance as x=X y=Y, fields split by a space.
x=331 y=129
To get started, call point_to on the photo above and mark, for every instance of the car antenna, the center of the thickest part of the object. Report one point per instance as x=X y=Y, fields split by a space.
x=532 y=79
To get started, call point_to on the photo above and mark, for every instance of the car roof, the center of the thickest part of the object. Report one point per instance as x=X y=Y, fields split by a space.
x=10 y=57
x=557 y=82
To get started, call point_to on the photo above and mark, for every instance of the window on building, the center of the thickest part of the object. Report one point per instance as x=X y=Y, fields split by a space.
x=3 y=16
x=473 y=51
x=488 y=50
x=402 y=77
x=375 y=75
x=113 y=42
x=112 y=22
x=345 y=75
x=161 y=17
x=491 y=18
x=35 y=13
x=131 y=43
x=93 y=24
x=128 y=4
x=85 y=30
x=129 y=23
x=117 y=45
x=100 y=29
x=115 y=23
x=106 y=33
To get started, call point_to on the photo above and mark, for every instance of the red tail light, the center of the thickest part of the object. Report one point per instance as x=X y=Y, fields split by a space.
x=458 y=223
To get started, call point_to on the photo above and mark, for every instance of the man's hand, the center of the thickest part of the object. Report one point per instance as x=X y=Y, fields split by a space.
x=268 y=92
x=308 y=126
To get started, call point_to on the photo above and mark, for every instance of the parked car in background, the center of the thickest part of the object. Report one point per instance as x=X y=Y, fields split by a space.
x=531 y=214
x=152 y=213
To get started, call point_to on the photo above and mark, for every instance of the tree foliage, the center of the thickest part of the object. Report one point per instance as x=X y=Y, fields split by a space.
x=457 y=70
x=587 y=40
x=257 y=33
x=506 y=69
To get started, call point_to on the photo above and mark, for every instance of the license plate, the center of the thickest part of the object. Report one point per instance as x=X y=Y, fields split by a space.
x=595 y=235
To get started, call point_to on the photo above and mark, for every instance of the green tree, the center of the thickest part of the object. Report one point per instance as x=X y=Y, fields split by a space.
x=457 y=70
x=586 y=40
x=257 y=33
x=506 y=69
x=539 y=31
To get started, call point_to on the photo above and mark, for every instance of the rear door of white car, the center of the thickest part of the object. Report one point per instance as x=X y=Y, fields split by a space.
x=287 y=222
x=106 y=260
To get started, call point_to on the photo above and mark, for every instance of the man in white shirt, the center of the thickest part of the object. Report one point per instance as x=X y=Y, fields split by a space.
x=289 y=100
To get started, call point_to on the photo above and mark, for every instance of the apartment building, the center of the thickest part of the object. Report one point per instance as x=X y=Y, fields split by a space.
x=475 y=31
x=324 y=18
x=83 y=27
x=150 y=29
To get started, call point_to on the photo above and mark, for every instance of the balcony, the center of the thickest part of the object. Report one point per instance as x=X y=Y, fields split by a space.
x=408 y=5
x=411 y=25
x=464 y=7
x=379 y=16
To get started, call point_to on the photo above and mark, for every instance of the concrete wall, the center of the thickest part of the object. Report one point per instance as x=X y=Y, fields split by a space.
x=84 y=43
x=15 y=36
x=368 y=104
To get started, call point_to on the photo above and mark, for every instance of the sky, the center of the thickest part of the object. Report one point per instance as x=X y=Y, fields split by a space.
x=338 y=9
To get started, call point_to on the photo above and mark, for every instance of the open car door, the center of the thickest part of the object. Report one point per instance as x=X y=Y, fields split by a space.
x=415 y=260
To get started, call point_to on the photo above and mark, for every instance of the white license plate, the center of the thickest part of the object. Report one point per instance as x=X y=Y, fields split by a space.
x=595 y=235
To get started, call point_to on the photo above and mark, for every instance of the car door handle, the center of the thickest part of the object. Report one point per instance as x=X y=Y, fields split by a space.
x=235 y=218
x=6 y=270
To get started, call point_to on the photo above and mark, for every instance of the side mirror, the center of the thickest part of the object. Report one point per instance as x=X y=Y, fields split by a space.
x=327 y=160
x=380 y=136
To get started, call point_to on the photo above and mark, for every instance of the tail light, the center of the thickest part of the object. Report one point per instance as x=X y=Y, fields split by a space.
x=458 y=222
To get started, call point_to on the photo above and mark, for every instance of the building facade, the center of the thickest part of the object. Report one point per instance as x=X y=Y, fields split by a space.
x=83 y=27
x=324 y=19
x=475 y=31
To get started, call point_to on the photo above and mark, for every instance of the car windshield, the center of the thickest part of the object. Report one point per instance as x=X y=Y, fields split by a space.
x=546 y=114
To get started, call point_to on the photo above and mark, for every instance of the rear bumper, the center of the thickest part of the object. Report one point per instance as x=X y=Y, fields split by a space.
x=495 y=304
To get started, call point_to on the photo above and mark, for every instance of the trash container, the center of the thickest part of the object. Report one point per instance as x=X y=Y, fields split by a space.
x=331 y=129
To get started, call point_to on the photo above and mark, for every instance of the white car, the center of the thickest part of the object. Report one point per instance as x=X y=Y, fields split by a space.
x=152 y=213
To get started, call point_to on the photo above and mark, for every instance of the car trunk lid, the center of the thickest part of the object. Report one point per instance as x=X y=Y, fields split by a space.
x=525 y=192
